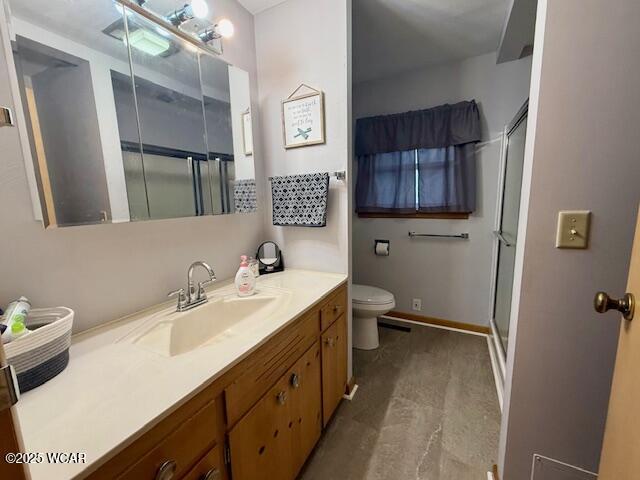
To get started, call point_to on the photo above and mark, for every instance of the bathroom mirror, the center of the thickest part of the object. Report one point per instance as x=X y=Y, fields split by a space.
x=270 y=258
x=125 y=120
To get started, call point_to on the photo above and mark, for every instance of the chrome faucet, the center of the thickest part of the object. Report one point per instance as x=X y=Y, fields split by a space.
x=194 y=296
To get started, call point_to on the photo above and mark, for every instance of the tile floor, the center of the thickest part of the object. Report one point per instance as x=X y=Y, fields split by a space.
x=426 y=409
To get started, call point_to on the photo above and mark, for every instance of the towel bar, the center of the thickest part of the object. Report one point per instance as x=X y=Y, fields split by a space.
x=462 y=235
x=340 y=175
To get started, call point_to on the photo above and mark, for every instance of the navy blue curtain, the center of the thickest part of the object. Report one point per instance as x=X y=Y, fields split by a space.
x=436 y=145
x=447 y=179
x=387 y=182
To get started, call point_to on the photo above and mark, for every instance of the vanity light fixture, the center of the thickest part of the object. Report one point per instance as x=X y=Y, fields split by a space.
x=223 y=29
x=196 y=9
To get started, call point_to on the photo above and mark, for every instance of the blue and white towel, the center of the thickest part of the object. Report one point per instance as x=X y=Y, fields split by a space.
x=244 y=196
x=300 y=200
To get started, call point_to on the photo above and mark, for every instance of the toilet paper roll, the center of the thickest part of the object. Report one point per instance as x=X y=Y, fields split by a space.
x=382 y=248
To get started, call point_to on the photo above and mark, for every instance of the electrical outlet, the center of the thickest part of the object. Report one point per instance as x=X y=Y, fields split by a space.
x=416 y=305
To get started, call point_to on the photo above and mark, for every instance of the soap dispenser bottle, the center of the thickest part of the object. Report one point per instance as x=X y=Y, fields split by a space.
x=245 y=280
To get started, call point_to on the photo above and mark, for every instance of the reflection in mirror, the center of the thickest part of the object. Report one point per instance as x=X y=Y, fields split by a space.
x=169 y=103
x=217 y=114
x=268 y=253
x=125 y=120
x=270 y=258
x=244 y=185
x=62 y=95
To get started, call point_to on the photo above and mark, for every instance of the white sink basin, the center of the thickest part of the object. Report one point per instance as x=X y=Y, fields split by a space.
x=225 y=315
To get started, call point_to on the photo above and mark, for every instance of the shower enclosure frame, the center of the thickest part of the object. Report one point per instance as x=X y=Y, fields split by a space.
x=495 y=341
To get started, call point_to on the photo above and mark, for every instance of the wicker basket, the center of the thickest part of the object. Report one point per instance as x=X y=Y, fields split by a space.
x=43 y=353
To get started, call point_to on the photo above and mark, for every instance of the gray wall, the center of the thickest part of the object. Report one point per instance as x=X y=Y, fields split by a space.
x=106 y=271
x=307 y=41
x=451 y=277
x=282 y=65
x=582 y=153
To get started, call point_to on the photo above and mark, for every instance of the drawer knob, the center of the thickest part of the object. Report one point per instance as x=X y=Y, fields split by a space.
x=167 y=470
x=330 y=342
x=295 y=380
x=282 y=398
x=336 y=308
x=213 y=474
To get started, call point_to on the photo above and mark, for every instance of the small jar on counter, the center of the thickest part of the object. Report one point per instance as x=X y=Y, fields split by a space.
x=254 y=267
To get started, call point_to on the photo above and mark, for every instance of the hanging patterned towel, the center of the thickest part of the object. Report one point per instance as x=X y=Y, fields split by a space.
x=244 y=196
x=300 y=200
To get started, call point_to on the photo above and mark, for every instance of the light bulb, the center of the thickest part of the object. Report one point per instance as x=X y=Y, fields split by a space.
x=225 y=28
x=199 y=8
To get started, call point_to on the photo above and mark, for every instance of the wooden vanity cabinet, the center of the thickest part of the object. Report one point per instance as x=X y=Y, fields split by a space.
x=259 y=420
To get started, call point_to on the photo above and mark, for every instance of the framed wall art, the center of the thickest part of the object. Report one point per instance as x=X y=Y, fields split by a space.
x=303 y=118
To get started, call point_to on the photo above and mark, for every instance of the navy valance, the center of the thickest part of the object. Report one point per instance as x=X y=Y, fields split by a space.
x=438 y=127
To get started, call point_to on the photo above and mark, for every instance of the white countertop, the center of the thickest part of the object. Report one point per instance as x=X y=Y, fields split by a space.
x=112 y=390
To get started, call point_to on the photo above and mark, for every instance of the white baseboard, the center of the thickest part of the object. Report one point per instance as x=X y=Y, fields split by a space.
x=352 y=394
x=497 y=375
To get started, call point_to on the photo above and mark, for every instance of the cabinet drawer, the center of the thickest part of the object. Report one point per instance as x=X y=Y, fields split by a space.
x=262 y=369
x=183 y=447
x=334 y=307
x=210 y=467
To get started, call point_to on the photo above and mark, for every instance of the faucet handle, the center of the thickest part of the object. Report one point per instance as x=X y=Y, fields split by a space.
x=182 y=298
x=201 y=285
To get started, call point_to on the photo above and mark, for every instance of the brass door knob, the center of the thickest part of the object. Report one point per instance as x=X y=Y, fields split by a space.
x=626 y=305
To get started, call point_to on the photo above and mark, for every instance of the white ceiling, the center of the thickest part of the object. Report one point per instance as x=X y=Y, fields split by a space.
x=256 y=6
x=392 y=36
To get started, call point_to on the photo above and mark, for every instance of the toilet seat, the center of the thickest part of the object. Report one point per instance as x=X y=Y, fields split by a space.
x=368 y=295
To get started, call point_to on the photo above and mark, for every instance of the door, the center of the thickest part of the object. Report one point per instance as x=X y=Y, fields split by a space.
x=306 y=402
x=10 y=437
x=620 y=458
x=334 y=366
x=260 y=443
x=275 y=438
x=507 y=231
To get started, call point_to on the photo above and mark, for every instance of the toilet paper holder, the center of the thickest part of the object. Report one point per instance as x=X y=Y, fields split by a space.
x=381 y=248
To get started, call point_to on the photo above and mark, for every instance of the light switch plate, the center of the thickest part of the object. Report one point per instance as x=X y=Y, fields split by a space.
x=573 y=229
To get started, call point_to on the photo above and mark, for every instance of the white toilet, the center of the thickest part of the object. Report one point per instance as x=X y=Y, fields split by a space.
x=368 y=304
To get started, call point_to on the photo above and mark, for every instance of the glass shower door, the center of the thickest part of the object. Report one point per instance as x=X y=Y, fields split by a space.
x=507 y=234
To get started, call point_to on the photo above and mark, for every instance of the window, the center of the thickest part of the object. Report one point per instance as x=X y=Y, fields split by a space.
x=418 y=164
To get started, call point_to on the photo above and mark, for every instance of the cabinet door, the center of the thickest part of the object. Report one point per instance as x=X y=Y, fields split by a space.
x=334 y=366
x=306 y=404
x=261 y=441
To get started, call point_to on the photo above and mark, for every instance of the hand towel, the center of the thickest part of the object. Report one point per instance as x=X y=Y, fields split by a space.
x=244 y=196
x=300 y=200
